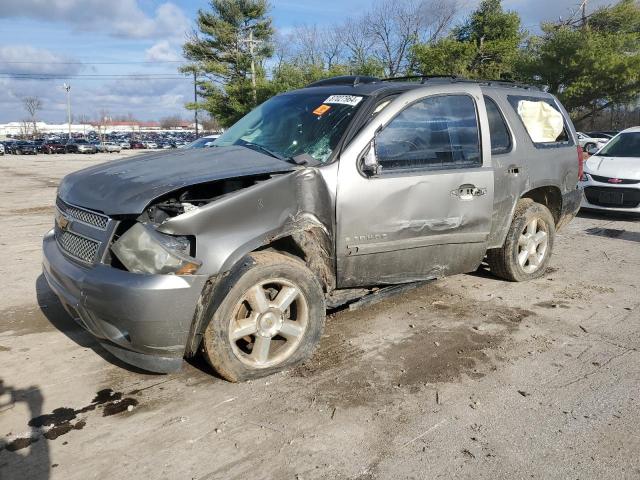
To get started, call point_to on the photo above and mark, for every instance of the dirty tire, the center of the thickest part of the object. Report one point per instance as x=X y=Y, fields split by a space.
x=503 y=262
x=225 y=355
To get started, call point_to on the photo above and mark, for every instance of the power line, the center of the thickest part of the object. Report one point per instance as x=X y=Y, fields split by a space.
x=106 y=77
x=92 y=63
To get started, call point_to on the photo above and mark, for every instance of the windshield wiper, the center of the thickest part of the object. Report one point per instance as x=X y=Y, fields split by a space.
x=255 y=146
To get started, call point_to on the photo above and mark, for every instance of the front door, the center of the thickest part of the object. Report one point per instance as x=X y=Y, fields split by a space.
x=427 y=213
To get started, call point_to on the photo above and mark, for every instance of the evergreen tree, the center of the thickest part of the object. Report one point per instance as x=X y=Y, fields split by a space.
x=221 y=52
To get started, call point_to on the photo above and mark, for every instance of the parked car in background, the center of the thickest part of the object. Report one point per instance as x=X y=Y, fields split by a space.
x=125 y=145
x=203 y=142
x=80 y=145
x=134 y=145
x=349 y=185
x=1 y=148
x=588 y=143
x=603 y=134
x=611 y=178
x=109 y=147
x=25 y=148
x=53 y=146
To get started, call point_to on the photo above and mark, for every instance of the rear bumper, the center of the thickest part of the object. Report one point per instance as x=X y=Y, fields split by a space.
x=570 y=206
x=143 y=320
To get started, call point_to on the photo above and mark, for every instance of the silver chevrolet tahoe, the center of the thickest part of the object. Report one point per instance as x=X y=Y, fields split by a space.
x=324 y=193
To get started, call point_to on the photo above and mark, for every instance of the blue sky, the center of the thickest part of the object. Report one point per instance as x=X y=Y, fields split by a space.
x=71 y=37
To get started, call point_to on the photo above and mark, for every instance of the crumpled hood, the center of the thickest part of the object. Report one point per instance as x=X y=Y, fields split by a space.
x=614 y=167
x=128 y=186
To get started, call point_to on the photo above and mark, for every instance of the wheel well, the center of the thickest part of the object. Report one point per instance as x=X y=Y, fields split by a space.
x=550 y=197
x=313 y=247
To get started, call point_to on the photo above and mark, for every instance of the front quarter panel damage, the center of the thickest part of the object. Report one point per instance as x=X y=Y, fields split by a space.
x=297 y=204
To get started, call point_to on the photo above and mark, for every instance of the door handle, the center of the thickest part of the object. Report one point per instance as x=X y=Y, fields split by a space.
x=468 y=192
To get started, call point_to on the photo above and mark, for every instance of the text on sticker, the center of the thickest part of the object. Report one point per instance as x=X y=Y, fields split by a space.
x=352 y=100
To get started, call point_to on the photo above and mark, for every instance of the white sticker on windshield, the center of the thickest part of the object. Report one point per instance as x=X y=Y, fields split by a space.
x=352 y=100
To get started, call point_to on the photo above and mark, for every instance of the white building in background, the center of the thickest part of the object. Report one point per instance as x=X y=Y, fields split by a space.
x=21 y=128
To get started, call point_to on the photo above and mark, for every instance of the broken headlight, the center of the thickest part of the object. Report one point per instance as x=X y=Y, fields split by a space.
x=142 y=249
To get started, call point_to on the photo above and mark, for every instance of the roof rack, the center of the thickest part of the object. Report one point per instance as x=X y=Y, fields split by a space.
x=454 y=78
x=353 y=80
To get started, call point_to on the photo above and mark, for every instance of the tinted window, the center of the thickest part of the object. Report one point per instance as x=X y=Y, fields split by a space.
x=434 y=133
x=624 y=145
x=500 y=138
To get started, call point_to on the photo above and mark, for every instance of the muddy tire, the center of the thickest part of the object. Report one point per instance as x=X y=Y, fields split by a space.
x=527 y=248
x=269 y=318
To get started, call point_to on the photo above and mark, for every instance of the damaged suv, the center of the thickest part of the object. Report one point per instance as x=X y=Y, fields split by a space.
x=315 y=197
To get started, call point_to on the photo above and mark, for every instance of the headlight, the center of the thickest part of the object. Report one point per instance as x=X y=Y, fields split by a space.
x=144 y=250
x=585 y=177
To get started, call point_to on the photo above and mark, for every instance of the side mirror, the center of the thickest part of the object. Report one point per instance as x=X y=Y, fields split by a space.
x=370 y=164
x=592 y=150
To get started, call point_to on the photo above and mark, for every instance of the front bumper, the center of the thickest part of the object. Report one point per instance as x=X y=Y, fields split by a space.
x=144 y=320
x=630 y=192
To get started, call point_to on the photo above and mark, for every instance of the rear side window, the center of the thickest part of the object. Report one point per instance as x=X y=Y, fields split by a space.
x=500 y=137
x=435 y=133
x=542 y=119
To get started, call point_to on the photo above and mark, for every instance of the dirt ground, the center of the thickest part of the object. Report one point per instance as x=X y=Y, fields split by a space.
x=467 y=377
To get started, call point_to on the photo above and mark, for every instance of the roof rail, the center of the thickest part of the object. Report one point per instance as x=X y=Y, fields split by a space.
x=423 y=78
x=353 y=80
x=454 y=78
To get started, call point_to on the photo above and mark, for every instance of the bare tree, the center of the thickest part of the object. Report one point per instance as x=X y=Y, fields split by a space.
x=356 y=41
x=397 y=25
x=32 y=105
x=172 y=121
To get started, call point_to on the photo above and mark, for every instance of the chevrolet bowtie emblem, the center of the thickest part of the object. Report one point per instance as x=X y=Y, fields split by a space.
x=62 y=221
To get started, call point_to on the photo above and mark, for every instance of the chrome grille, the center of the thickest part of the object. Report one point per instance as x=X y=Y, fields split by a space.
x=77 y=246
x=81 y=215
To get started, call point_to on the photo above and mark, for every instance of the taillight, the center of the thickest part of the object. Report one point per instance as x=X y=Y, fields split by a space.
x=580 y=162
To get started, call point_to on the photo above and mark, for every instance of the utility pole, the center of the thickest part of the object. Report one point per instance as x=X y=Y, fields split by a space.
x=195 y=99
x=583 y=7
x=253 y=68
x=67 y=87
x=252 y=43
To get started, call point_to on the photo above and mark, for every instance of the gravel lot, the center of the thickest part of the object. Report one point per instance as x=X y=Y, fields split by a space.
x=468 y=377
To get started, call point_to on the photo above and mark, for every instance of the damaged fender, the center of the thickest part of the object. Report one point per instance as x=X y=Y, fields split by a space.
x=296 y=204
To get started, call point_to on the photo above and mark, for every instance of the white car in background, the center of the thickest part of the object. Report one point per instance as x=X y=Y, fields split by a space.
x=591 y=143
x=611 y=178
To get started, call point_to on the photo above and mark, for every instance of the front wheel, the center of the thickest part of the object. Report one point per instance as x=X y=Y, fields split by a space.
x=270 y=318
x=527 y=248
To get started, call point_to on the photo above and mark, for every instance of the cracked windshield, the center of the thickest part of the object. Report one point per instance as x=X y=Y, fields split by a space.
x=288 y=126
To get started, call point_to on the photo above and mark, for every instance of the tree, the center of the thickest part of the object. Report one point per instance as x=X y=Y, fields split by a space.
x=591 y=65
x=171 y=122
x=486 y=45
x=32 y=105
x=396 y=26
x=232 y=40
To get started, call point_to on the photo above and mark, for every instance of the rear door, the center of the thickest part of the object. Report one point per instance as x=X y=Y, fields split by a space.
x=428 y=212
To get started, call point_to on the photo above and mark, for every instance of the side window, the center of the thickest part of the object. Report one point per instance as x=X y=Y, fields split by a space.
x=542 y=119
x=500 y=137
x=435 y=133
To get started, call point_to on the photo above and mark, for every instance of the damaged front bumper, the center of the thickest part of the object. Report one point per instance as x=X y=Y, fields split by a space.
x=142 y=319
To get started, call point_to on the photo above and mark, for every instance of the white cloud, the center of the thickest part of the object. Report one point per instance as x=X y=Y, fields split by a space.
x=162 y=51
x=120 y=18
x=24 y=59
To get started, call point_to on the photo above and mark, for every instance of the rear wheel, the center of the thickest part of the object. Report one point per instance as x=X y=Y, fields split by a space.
x=270 y=318
x=527 y=248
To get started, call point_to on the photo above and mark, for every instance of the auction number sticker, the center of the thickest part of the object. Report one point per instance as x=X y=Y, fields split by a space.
x=352 y=100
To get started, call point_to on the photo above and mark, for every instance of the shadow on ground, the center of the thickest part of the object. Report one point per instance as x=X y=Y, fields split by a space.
x=35 y=463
